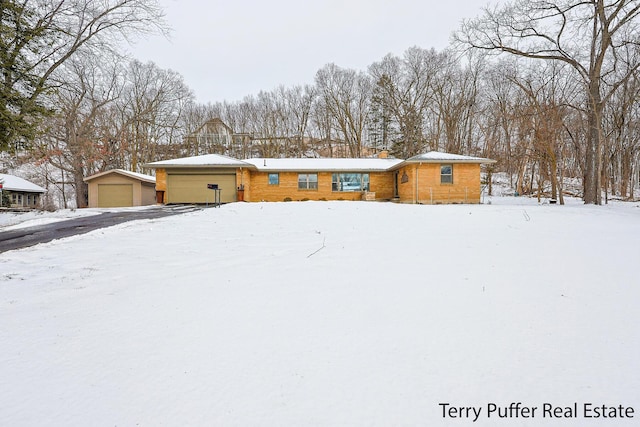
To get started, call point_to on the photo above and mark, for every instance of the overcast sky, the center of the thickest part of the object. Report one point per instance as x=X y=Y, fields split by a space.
x=227 y=50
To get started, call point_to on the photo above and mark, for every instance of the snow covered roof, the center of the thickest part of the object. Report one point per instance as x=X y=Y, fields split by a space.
x=437 y=156
x=136 y=175
x=199 y=161
x=14 y=183
x=315 y=165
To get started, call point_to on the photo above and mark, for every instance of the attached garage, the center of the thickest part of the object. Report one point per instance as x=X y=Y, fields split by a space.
x=192 y=187
x=185 y=180
x=120 y=188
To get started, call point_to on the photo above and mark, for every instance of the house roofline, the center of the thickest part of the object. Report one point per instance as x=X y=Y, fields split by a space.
x=256 y=164
x=443 y=161
x=198 y=166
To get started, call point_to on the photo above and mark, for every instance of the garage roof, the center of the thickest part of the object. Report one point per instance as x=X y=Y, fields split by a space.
x=199 y=161
x=14 y=183
x=135 y=175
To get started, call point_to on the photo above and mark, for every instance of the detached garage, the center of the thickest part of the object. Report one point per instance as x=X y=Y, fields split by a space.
x=121 y=188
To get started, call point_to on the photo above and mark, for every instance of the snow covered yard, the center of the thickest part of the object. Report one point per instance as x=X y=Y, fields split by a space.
x=325 y=313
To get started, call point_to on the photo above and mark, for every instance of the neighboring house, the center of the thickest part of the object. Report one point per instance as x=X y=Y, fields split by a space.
x=22 y=193
x=430 y=178
x=215 y=136
x=120 y=188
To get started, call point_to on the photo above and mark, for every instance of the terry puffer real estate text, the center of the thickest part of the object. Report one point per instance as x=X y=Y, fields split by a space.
x=546 y=410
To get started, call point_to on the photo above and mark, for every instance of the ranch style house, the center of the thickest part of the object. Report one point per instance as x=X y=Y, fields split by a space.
x=430 y=178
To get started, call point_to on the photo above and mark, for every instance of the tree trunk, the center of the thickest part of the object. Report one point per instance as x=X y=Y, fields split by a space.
x=553 y=163
x=82 y=194
x=593 y=158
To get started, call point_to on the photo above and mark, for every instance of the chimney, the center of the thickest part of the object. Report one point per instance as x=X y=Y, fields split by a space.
x=384 y=154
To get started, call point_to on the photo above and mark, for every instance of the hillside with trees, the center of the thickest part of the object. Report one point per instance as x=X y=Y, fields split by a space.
x=549 y=89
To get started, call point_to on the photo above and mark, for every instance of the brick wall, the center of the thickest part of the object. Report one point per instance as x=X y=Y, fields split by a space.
x=261 y=190
x=422 y=184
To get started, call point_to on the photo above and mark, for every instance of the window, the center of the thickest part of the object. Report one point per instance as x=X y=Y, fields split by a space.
x=274 y=179
x=350 y=182
x=307 y=181
x=446 y=174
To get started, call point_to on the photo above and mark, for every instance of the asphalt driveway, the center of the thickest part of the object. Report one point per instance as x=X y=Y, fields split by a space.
x=29 y=236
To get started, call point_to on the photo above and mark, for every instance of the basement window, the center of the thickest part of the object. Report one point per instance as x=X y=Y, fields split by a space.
x=307 y=181
x=446 y=174
x=274 y=179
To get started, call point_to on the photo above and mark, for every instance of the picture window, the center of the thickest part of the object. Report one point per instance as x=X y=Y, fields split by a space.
x=350 y=182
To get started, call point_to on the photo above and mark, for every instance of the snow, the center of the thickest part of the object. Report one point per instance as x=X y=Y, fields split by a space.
x=137 y=175
x=328 y=164
x=204 y=160
x=269 y=164
x=14 y=220
x=32 y=218
x=313 y=164
x=15 y=183
x=437 y=156
x=325 y=313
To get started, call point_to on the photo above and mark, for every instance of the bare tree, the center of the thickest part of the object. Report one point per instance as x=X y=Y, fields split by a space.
x=151 y=106
x=298 y=102
x=73 y=142
x=622 y=130
x=39 y=36
x=405 y=87
x=455 y=103
x=346 y=94
x=586 y=35
x=109 y=116
x=545 y=108
x=499 y=97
